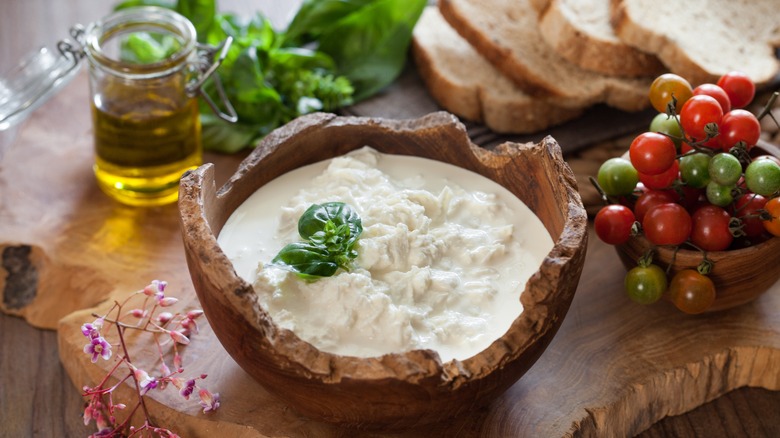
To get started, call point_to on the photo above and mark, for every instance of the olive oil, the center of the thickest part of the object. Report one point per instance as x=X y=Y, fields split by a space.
x=144 y=146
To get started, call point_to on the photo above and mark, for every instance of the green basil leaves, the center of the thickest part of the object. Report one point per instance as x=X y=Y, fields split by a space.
x=330 y=232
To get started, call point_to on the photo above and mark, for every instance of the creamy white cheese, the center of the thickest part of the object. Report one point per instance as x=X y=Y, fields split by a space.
x=441 y=262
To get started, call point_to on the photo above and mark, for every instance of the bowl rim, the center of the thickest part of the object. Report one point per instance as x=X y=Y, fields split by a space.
x=537 y=323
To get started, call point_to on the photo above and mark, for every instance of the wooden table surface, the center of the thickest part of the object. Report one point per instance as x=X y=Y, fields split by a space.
x=38 y=399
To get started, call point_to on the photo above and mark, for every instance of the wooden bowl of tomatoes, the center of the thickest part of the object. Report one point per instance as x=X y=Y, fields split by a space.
x=694 y=205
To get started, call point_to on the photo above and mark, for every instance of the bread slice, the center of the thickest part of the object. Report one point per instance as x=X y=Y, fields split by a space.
x=464 y=83
x=506 y=33
x=703 y=39
x=580 y=31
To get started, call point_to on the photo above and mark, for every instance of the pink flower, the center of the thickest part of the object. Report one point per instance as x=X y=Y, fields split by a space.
x=179 y=337
x=156 y=287
x=188 y=389
x=92 y=330
x=164 y=317
x=145 y=381
x=164 y=301
x=98 y=347
x=138 y=313
x=209 y=401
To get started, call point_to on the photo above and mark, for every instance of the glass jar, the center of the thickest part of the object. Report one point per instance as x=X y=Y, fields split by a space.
x=144 y=112
x=146 y=71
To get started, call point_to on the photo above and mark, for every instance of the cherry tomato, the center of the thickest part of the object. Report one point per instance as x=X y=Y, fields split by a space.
x=715 y=91
x=697 y=112
x=645 y=284
x=738 y=125
x=665 y=124
x=773 y=208
x=662 y=180
x=617 y=177
x=763 y=177
x=650 y=199
x=667 y=85
x=738 y=87
x=652 y=153
x=667 y=224
x=691 y=291
x=724 y=169
x=747 y=208
x=767 y=157
x=613 y=224
x=710 y=230
x=694 y=170
x=720 y=195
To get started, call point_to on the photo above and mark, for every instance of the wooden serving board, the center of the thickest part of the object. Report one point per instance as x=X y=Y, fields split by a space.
x=613 y=369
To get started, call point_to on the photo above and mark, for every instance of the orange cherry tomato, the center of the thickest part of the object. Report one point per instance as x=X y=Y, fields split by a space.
x=691 y=291
x=773 y=208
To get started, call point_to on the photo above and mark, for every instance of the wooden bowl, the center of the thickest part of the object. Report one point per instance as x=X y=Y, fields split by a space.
x=740 y=275
x=394 y=390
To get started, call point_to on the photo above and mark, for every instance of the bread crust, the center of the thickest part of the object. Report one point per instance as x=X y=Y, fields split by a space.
x=631 y=26
x=497 y=103
x=590 y=51
x=547 y=74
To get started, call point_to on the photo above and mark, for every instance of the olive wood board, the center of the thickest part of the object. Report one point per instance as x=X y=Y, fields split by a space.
x=613 y=369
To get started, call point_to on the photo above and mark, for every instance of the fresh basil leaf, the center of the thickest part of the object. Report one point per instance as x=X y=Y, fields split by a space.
x=318 y=216
x=317 y=16
x=146 y=48
x=370 y=46
x=201 y=13
x=305 y=259
x=224 y=137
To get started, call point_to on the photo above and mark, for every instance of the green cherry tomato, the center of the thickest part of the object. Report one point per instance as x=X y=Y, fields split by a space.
x=694 y=170
x=720 y=195
x=763 y=177
x=617 y=177
x=666 y=124
x=725 y=169
x=691 y=291
x=645 y=284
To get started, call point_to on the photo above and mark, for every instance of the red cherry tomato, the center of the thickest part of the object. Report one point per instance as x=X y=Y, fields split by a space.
x=738 y=125
x=710 y=230
x=747 y=208
x=691 y=291
x=697 y=112
x=738 y=87
x=773 y=208
x=662 y=180
x=613 y=224
x=667 y=224
x=716 y=92
x=652 y=153
x=650 y=199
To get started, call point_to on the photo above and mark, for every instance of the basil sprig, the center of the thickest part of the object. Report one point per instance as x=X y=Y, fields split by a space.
x=330 y=232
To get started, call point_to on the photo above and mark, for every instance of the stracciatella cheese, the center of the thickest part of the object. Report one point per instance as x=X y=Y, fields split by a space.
x=443 y=257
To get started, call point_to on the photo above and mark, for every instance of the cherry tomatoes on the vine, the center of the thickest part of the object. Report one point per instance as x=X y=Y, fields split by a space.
x=617 y=177
x=738 y=125
x=662 y=180
x=739 y=87
x=613 y=224
x=645 y=284
x=747 y=209
x=773 y=208
x=650 y=199
x=715 y=91
x=667 y=224
x=710 y=230
x=691 y=291
x=697 y=112
x=667 y=85
x=652 y=153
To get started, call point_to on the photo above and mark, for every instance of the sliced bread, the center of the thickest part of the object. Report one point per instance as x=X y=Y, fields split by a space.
x=580 y=31
x=464 y=83
x=506 y=32
x=703 y=39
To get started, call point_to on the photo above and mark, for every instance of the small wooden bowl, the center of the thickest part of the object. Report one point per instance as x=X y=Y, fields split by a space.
x=394 y=390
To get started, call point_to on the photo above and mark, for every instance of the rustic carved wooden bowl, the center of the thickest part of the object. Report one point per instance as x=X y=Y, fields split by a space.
x=394 y=390
x=740 y=275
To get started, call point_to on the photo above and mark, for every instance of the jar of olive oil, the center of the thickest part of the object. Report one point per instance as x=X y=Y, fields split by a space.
x=145 y=73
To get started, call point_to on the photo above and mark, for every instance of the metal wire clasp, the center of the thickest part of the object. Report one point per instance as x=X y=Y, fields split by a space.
x=208 y=65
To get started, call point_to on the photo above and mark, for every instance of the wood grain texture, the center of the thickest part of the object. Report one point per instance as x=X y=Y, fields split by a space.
x=39 y=399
